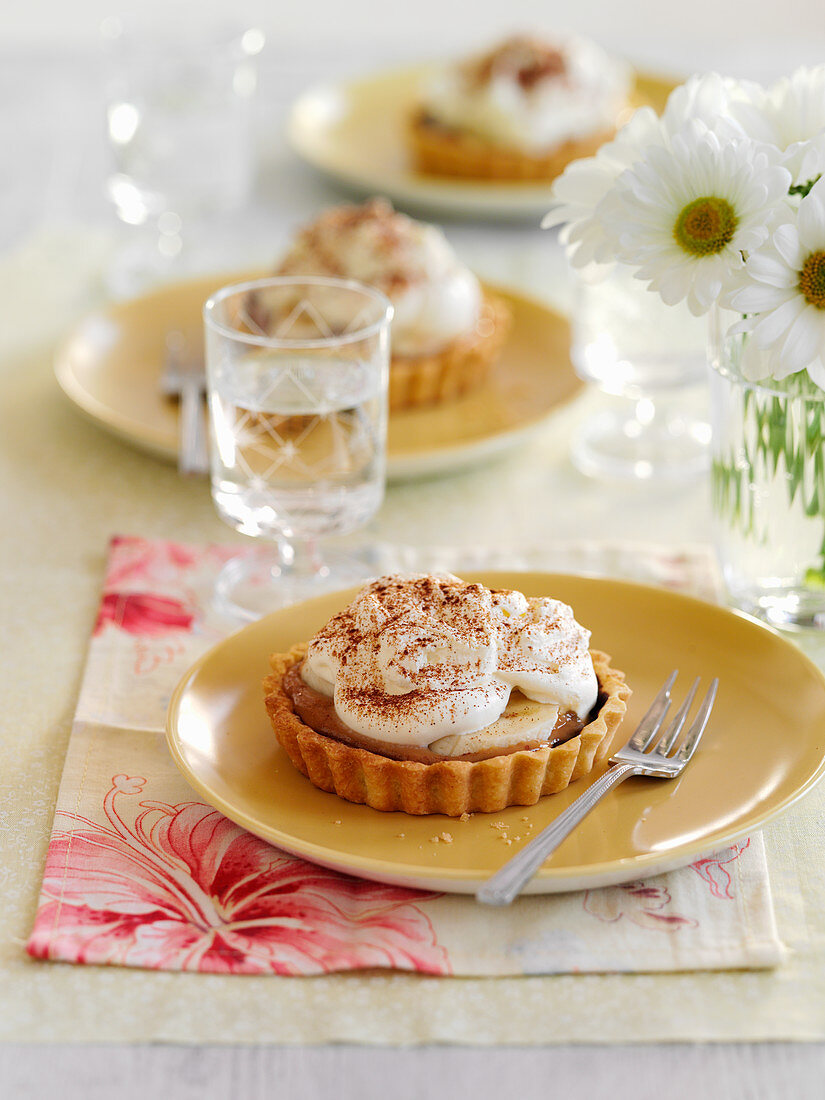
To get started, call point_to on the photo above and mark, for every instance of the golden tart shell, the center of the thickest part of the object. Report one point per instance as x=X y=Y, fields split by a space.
x=459 y=367
x=441 y=151
x=452 y=786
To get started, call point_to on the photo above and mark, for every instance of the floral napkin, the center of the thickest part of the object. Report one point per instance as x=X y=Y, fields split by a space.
x=141 y=873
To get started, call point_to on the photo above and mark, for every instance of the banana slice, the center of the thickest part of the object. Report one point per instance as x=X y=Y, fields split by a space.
x=522 y=720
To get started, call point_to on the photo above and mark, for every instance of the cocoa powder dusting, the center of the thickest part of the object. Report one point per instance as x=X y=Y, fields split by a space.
x=322 y=245
x=416 y=645
x=521 y=58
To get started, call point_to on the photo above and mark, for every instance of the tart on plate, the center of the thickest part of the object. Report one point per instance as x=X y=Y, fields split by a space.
x=446 y=331
x=430 y=695
x=522 y=110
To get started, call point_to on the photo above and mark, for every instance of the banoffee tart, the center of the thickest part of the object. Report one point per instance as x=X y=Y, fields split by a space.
x=523 y=110
x=428 y=694
x=446 y=331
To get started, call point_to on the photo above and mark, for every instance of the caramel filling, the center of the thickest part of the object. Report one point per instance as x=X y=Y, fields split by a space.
x=317 y=711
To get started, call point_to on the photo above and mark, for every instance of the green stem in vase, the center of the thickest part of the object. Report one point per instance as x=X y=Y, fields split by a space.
x=781 y=439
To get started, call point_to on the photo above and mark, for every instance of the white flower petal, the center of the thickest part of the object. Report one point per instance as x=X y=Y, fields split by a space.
x=754 y=364
x=816 y=370
x=699 y=300
x=811 y=221
x=805 y=160
x=673 y=284
x=756 y=298
x=778 y=366
x=768 y=269
x=772 y=326
x=795 y=106
x=554 y=217
x=803 y=340
x=786 y=242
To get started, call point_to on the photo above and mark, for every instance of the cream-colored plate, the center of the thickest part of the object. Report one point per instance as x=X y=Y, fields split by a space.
x=763 y=749
x=354 y=133
x=110 y=365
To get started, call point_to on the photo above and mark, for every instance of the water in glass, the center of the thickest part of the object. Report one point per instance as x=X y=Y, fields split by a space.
x=299 y=445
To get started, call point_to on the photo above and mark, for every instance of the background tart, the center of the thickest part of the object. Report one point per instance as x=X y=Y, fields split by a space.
x=440 y=150
x=446 y=330
x=459 y=367
x=450 y=786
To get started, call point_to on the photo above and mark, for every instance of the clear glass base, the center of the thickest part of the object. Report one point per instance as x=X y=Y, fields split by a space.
x=254 y=584
x=786 y=609
x=637 y=440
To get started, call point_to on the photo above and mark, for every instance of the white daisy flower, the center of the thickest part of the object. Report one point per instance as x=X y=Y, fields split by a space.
x=790 y=115
x=805 y=160
x=782 y=292
x=683 y=215
x=707 y=97
x=586 y=182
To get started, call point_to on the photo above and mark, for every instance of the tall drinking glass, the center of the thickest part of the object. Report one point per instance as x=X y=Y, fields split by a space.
x=297 y=374
x=179 y=121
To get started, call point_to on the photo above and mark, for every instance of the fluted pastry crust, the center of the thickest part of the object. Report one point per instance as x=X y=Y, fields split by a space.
x=457 y=368
x=452 y=786
x=441 y=151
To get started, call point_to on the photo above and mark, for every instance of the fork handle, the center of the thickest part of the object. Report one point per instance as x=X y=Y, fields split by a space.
x=193 y=457
x=509 y=880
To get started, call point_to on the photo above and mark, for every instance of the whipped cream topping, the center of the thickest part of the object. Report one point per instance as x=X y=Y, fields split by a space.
x=417 y=657
x=531 y=95
x=436 y=298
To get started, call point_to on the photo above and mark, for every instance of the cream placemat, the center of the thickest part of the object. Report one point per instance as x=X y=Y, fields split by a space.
x=140 y=874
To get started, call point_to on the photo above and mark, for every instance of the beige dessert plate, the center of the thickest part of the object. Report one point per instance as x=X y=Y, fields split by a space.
x=354 y=133
x=763 y=749
x=109 y=367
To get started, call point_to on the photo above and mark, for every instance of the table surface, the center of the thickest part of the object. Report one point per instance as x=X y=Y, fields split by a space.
x=68 y=487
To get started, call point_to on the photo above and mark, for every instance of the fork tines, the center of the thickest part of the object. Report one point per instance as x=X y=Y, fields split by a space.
x=647 y=741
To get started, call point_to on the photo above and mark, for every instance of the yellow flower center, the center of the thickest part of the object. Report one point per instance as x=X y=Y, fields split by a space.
x=705 y=225
x=812 y=280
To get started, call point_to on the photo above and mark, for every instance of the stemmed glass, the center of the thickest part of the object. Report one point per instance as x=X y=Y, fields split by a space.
x=650 y=359
x=297 y=374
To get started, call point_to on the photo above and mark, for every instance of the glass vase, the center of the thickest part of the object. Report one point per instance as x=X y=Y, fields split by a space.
x=768 y=486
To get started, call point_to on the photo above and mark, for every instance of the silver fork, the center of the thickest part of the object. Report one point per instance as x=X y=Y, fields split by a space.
x=640 y=756
x=183 y=377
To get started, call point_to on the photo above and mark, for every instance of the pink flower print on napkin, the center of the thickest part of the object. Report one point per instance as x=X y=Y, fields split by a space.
x=142 y=613
x=640 y=902
x=714 y=870
x=148 y=560
x=160 y=564
x=184 y=888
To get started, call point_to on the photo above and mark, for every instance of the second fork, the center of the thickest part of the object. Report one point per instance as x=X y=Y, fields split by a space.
x=183 y=377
